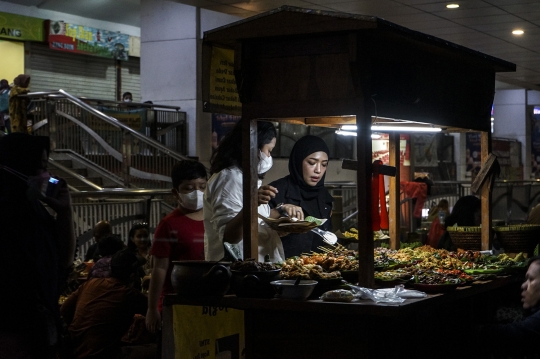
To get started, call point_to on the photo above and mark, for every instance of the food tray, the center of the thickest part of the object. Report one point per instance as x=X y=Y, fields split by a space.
x=468 y=238
x=518 y=238
x=435 y=288
x=285 y=224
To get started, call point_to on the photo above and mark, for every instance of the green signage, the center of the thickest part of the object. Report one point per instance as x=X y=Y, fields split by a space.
x=21 y=28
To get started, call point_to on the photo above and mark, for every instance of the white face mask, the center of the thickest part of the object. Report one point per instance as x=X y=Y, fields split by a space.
x=265 y=163
x=192 y=200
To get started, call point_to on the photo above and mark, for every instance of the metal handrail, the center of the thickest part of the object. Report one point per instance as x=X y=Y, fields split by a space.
x=122 y=192
x=110 y=120
x=137 y=104
x=74 y=175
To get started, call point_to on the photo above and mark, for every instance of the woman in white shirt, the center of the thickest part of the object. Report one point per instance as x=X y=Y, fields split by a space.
x=223 y=200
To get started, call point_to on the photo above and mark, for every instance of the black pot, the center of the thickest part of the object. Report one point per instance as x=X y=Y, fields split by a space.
x=254 y=284
x=200 y=278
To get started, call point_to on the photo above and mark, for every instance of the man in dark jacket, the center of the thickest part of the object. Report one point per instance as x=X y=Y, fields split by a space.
x=520 y=338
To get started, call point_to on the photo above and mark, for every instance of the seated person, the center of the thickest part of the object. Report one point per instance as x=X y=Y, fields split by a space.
x=520 y=338
x=101 y=310
x=101 y=230
x=139 y=243
x=107 y=247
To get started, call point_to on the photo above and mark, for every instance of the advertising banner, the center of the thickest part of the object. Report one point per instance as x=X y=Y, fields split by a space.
x=473 y=148
x=208 y=332
x=87 y=40
x=223 y=92
x=221 y=125
x=380 y=149
x=21 y=28
x=134 y=119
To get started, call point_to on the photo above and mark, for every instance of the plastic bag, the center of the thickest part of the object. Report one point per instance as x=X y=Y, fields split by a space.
x=392 y=296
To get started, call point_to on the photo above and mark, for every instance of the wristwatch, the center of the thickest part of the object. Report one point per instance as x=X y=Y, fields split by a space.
x=281 y=210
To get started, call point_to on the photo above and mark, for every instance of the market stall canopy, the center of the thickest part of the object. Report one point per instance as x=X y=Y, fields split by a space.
x=324 y=68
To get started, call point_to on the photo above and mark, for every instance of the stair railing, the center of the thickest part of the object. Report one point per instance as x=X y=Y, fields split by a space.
x=121 y=147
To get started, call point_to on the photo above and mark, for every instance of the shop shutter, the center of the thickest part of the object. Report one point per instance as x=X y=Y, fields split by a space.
x=80 y=75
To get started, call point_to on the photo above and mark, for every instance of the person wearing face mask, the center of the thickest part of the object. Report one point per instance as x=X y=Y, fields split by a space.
x=37 y=248
x=304 y=187
x=178 y=236
x=127 y=97
x=223 y=199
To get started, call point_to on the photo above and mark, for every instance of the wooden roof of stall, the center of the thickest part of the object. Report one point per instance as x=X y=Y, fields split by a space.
x=329 y=69
x=310 y=66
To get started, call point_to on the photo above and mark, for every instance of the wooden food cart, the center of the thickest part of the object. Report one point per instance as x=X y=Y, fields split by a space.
x=331 y=69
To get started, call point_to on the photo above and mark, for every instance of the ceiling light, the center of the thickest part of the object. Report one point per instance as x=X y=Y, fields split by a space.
x=350 y=130
x=405 y=129
x=345 y=133
x=518 y=32
x=452 y=6
x=374 y=136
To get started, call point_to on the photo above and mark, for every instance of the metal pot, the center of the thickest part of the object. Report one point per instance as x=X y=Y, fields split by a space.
x=191 y=278
x=254 y=284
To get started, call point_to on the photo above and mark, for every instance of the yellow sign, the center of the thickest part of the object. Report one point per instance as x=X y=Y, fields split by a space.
x=208 y=332
x=21 y=28
x=223 y=92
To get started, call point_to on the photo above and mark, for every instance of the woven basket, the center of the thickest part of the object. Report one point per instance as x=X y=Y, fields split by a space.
x=468 y=238
x=518 y=238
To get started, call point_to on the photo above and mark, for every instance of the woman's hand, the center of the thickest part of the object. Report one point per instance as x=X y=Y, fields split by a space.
x=266 y=193
x=293 y=211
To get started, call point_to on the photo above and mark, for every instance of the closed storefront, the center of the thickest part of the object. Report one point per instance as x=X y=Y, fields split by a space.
x=81 y=75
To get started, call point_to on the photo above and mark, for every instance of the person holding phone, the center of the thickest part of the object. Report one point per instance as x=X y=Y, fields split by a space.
x=38 y=248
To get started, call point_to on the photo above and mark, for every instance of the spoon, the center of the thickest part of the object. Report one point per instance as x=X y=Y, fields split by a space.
x=328 y=236
x=297 y=281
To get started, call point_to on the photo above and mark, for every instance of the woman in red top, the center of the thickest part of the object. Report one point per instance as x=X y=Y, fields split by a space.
x=179 y=236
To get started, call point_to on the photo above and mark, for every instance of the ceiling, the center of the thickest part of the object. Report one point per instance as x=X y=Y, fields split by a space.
x=482 y=25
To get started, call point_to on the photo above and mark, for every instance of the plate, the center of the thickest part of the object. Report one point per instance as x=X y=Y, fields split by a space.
x=285 y=224
x=435 y=288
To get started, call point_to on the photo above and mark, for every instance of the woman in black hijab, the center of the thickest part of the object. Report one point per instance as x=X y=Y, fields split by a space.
x=304 y=187
x=37 y=248
x=466 y=212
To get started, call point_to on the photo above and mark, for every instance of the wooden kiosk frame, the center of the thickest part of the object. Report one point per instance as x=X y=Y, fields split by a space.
x=330 y=69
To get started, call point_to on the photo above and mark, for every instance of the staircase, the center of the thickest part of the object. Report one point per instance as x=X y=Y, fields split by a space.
x=93 y=150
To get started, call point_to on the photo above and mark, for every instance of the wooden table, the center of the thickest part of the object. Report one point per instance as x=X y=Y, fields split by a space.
x=311 y=329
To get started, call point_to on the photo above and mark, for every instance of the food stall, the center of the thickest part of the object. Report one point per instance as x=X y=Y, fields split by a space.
x=332 y=69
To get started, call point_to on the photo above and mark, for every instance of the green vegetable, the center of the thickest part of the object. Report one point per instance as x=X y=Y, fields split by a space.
x=313 y=219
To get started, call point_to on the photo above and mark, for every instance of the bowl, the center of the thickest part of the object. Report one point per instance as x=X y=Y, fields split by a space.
x=254 y=284
x=193 y=278
x=286 y=289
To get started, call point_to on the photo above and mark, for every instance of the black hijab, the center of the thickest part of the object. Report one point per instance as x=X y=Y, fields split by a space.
x=302 y=148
